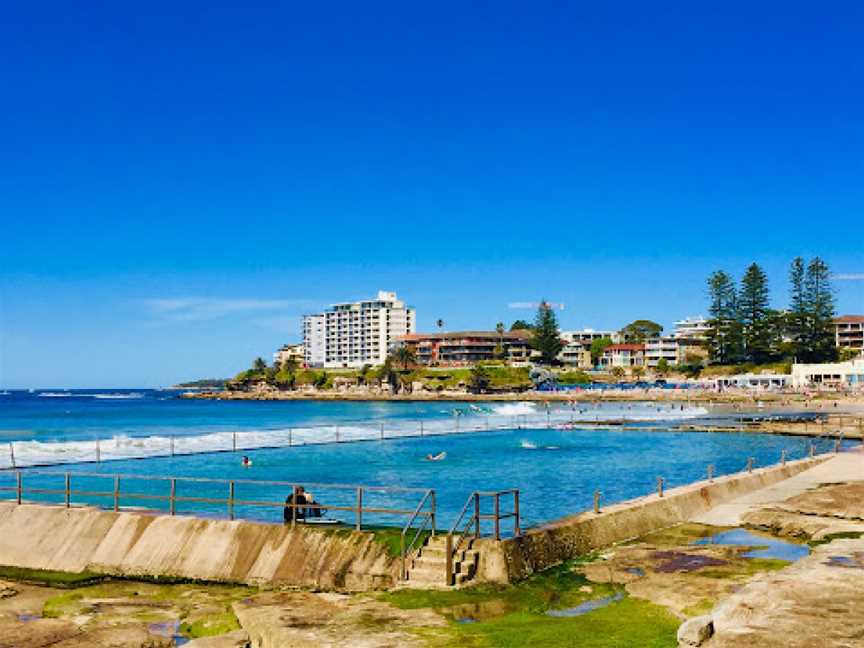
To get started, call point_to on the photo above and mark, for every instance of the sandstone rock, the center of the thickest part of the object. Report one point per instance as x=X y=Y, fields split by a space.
x=695 y=631
x=236 y=639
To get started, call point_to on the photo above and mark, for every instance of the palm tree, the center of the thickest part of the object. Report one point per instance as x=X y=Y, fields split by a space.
x=290 y=365
x=405 y=356
x=499 y=350
x=618 y=372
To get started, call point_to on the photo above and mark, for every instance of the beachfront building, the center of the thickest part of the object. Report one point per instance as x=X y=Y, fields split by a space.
x=295 y=352
x=754 y=382
x=849 y=332
x=623 y=355
x=692 y=328
x=353 y=334
x=589 y=335
x=463 y=348
x=576 y=354
x=663 y=348
x=314 y=340
x=833 y=375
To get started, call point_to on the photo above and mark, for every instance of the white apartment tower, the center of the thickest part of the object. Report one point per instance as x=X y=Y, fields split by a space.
x=357 y=333
x=313 y=340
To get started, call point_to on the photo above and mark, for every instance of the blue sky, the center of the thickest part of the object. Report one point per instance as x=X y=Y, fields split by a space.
x=181 y=181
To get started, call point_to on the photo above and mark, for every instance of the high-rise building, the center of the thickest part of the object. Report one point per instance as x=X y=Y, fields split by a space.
x=313 y=340
x=353 y=334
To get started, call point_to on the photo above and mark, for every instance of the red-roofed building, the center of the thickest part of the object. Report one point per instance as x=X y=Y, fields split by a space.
x=849 y=332
x=463 y=348
x=623 y=355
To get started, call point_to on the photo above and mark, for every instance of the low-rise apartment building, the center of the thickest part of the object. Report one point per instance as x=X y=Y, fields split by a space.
x=576 y=354
x=692 y=328
x=623 y=355
x=662 y=348
x=463 y=348
x=849 y=332
x=353 y=334
x=295 y=352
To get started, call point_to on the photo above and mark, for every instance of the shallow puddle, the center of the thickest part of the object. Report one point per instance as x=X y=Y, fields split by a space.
x=855 y=561
x=586 y=607
x=170 y=629
x=677 y=561
x=471 y=612
x=766 y=546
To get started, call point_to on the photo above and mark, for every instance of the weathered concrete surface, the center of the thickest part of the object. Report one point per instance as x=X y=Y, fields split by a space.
x=814 y=515
x=314 y=620
x=553 y=543
x=237 y=639
x=816 y=602
x=139 y=544
x=843 y=467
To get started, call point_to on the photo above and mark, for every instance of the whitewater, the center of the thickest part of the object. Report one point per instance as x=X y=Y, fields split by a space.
x=306 y=428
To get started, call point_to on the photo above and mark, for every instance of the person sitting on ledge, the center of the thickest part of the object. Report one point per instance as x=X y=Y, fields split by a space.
x=293 y=512
x=300 y=513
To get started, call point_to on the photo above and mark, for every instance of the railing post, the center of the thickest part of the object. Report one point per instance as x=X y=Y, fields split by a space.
x=596 y=501
x=12 y=453
x=382 y=431
x=710 y=472
x=68 y=489
x=173 y=495
x=293 y=505
x=783 y=457
x=518 y=527
x=234 y=441
x=836 y=446
x=98 y=452
x=497 y=516
x=421 y=428
x=359 y=515
x=749 y=464
x=432 y=495
x=660 y=482
x=172 y=445
x=19 y=486
x=231 y=500
x=116 y=493
x=404 y=572
x=476 y=515
x=449 y=551
x=812 y=450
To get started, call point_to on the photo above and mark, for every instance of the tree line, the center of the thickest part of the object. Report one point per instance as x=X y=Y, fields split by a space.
x=744 y=328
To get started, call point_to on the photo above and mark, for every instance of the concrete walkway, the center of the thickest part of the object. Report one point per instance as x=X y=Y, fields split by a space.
x=846 y=466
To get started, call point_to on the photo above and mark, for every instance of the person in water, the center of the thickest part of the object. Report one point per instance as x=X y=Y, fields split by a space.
x=246 y=461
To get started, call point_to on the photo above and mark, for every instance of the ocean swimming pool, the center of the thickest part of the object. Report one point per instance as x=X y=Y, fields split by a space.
x=556 y=470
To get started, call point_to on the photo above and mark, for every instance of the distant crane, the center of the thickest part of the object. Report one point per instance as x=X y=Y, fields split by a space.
x=534 y=305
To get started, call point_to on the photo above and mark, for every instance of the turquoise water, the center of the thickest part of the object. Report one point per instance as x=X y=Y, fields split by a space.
x=556 y=470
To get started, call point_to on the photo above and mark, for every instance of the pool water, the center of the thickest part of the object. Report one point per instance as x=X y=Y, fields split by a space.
x=556 y=471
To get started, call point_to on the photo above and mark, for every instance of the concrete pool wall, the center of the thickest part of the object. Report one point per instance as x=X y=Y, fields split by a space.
x=131 y=544
x=573 y=536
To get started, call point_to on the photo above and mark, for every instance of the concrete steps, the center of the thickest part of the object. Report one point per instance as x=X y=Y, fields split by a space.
x=429 y=567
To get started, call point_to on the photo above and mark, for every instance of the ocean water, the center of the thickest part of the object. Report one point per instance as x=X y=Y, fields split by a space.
x=553 y=459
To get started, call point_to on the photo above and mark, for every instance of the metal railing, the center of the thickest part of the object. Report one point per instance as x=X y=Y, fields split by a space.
x=413 y=546
x=290 y=506
x=461 y=531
